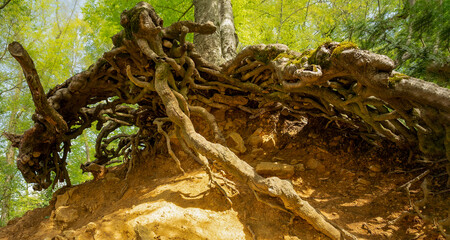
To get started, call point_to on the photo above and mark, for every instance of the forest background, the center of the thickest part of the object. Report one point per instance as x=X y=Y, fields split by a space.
x=65 y=37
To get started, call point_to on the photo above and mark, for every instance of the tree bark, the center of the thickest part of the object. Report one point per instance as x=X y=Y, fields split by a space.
x=220 y=46
x=227 y=31
x=209 y=46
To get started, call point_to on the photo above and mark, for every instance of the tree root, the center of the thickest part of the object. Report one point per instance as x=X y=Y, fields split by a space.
x=415 y=206
x=159 y=122
x=235 y=166
x=161 y=78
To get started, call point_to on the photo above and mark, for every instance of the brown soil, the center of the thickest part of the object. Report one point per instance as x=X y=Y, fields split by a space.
x=352 y=183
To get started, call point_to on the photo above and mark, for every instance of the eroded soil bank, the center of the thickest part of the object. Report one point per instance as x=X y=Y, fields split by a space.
x=351 y=182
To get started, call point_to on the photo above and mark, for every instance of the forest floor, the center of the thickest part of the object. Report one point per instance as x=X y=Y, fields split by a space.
x=354 y=184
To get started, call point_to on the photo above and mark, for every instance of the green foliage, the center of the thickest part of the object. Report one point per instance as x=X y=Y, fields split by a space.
x=416 y=36
x=62 y=42
x=52 y=32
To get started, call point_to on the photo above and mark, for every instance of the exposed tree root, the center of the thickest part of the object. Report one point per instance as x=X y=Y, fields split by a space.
x=161 y=75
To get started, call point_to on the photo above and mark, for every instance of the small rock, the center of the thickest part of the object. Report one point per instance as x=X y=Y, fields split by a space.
x=90 y=227
x=280 y=170
x=372 y=174
x=321 y=169
x=295 y=161
x=59 y=237
x=313 y=163
x=145 y=232
x=378 y=219
x=167 y=44
x=257 y=152
x=299 y=167
x=333 y=143
x=220 y=115
x=363 y=181
x=277 y=159
x=111 y=177
x=66 y=214
x=286 y=237
x=62 y=199
x=375 y=168
x=182 y=154
x=289 y=146
x=347 y=173
x=69 y=234
x=313 y=135
x=361 y=188
x=239 y=142
x=255 y=140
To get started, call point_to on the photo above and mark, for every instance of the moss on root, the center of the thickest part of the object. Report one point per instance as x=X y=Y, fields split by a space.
x=343 y=46
x=295 y=59
x=396 y=78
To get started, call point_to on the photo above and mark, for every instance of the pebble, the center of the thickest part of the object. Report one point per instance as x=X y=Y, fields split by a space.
x=280 y=170
x=258 y=153
x=299 y=167
x=277 y=159
x=239 y=142
x=363 y=181
x=313 y=163
x=375 y=168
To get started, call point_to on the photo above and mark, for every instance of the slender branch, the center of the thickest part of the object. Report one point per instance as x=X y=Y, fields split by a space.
x=4 y=4
x=185 y=12
x=37 y=91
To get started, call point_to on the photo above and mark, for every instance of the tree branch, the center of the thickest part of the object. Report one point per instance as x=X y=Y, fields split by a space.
x=4 y=4
x=43 y=108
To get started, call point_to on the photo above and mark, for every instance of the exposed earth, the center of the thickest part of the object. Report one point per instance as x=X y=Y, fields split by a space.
x=354 y=184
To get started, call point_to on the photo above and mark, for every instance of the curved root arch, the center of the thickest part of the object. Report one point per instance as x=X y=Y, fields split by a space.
x=154 y=69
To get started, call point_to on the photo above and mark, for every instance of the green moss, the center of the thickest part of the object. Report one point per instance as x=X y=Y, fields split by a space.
x=343 y=46
x=295 y=59
x=396 y=78
x=307 y=53
x=285 y=55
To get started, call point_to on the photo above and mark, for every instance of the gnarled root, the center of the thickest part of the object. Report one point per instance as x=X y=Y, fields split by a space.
x=237 y=167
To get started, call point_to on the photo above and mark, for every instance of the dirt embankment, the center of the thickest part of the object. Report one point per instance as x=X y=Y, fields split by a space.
x=352 y=183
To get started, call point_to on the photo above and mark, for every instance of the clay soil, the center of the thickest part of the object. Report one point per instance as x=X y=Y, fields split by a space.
x=353 y=183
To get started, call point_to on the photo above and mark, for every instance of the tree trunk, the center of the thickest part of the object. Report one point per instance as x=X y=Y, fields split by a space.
x=227 y=31
x=209 y=46
x=10 y=154
x=220 y=46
